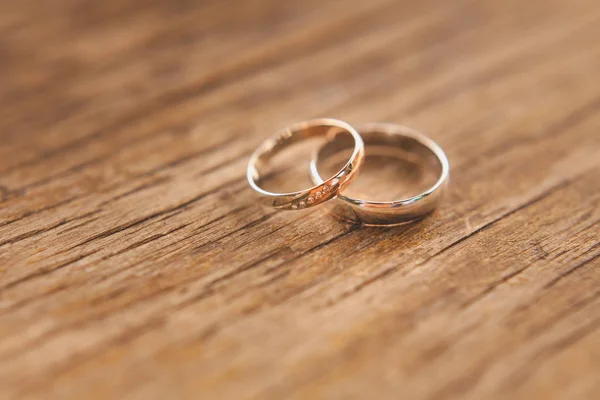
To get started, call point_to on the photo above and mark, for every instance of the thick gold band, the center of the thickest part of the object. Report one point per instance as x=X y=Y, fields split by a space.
x=407 y=143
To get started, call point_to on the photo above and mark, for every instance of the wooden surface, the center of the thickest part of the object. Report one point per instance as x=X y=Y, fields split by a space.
x=135 y=262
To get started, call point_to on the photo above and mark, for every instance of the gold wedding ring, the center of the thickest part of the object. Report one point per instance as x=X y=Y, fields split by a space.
x=382 y=138
x=330 y=129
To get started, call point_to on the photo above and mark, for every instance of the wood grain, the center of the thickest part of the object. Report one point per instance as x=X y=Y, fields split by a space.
x=135 y=262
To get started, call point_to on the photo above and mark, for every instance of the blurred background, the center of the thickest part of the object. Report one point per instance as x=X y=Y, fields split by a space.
x=135 y=262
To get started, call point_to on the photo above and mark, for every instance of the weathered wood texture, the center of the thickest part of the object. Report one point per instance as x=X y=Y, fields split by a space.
x=136 y=264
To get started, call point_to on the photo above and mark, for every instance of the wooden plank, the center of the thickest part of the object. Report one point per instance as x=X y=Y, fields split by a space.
x=135 y=262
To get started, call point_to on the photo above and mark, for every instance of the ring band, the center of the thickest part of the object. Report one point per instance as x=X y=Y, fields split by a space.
x=410 y=143
x=324 y=190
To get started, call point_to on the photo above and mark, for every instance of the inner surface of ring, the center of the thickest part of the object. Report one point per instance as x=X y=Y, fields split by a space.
x=396 y=167
x=281 y=165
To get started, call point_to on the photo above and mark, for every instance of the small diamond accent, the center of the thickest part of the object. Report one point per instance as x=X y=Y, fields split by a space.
x=294 y=207
x=325 y=188
x=301 y=204
x=310 y=200
x=318 y=195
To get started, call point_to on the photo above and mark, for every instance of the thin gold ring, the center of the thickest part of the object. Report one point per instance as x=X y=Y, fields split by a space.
x=400 y=139
x=323 y=191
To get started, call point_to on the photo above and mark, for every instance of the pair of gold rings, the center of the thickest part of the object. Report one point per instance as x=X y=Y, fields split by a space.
x=342 y=138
